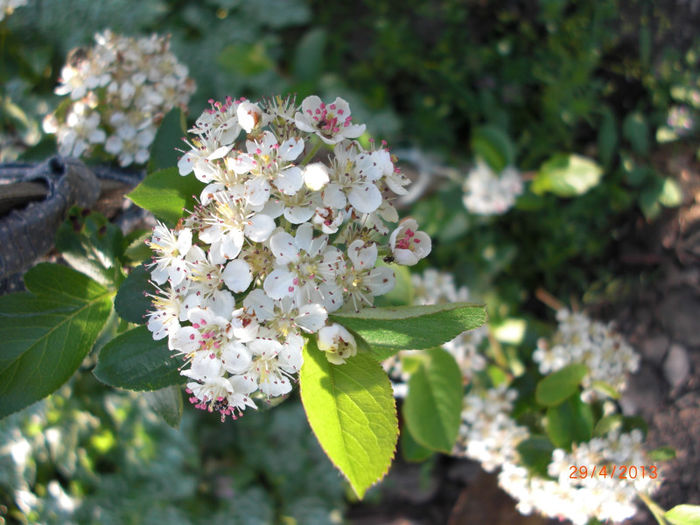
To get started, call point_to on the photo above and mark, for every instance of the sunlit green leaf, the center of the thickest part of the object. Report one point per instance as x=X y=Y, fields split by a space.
x=166 y=193
x=351 y=411
x=567 y=176
x=412 y=327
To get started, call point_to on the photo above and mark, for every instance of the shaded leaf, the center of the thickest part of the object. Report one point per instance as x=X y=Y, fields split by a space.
x=352 y=412
x=536 y=453
x=433 y=406
x=493 y=146
x=636 y=131
x=167 y=403
x=411 y=450
x=169 y=136
x=569 y=422
x=133 y=360
x=130 y=303
x=92 y=245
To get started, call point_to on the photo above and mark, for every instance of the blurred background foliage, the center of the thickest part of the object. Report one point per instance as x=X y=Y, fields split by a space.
x=523 y=83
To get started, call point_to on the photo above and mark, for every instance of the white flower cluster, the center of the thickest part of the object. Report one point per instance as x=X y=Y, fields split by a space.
x=434 y=287
x=487 y=433
x=274 y=245
x=490 y=193
x=7 y=7
x=120 y=90
x=490 y=435
x=580 y=340
x=605 y=497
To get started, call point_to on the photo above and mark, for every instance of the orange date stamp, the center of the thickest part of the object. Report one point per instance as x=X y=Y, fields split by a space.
x=612 y=471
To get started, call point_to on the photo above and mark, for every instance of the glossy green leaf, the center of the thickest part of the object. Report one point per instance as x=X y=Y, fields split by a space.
x=130 y=303
x=559 y=385
x=684 y=515
x=133 y=360
x=566 y=176
x=166 y=193
x=169 y=137
x=433 y=406
x=352 y=412
x=412 y=327
x=493 y=146
x=167 y=403
x=47 y=333
x=569 y=422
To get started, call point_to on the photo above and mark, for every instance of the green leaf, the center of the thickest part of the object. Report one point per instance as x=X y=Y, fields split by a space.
x=662 y=454
x=412 y=327
x=130 y=303
x=166 y=193
x=558 y=386
x=246 y=59
x=671 y=193
x=133 y=360
x=536 y=453
x=136 y=249
x=92 y=245
x=684 y=515
x=169 y=136
x=606 y=389
x=47 y=333
x=607 y=137
x=352 y=412
x=433 y=406
x=569 y=422
x=636 y=131
x=493 y=146
x=167 y=403
x=411 y=450
x=308 y=56
x=566 y=176
x=607 y=424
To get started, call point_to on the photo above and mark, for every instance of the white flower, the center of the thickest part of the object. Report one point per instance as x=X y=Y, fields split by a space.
x=171 y=249
x=409 y=245
x=120 y=88
x=273 y=245
x=250 y=116
x=337 y=342
x=332 y=122
x=487 y=193
x=316 y=176
x=363 y=281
